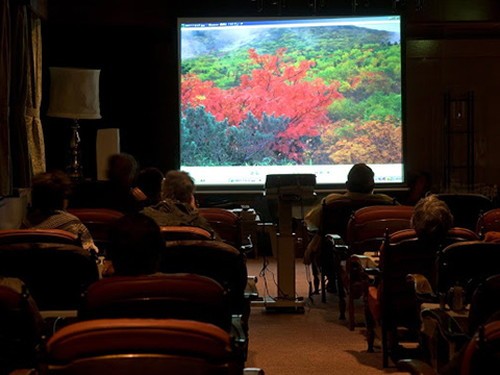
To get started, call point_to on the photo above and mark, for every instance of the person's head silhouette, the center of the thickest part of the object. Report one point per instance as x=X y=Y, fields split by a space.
x=136 y=245
x=360 y=179
x=431 y=218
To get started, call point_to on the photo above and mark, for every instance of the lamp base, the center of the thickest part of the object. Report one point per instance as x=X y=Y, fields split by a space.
x=74 y=169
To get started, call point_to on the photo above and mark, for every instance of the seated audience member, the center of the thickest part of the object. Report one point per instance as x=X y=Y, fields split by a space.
x=49 y=200
x=360 y=184
x=431 y=219
x=115 y=192
x=121 y=172
x=178 y=206
x=136 y=245
x=147 y=187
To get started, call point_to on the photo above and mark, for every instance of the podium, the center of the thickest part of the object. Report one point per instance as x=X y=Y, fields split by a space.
x=289 y=190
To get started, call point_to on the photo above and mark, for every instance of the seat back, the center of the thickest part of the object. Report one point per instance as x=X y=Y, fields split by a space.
x=482 y=353
x=398 y=305
x=21 y=327
x=466 y=208
x=225 y=223
x=56 y=274
x=140 y=346
x=34 y=235
x=485 y=302
x=393 y=304
x=174 y=296
x=466 y=264
x=98 y=221
x=211 y=258
x=367 y=226
x=488 y=221
x=335 y=215
x=184 y=232
x=455 y=234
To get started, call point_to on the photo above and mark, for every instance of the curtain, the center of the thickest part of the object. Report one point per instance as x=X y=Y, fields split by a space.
x=21 y=135
x=5 y=162
x=18 y=95
x=34 y=131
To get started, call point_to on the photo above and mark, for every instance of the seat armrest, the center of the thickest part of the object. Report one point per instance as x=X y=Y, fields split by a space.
x=251 y=291
x=237 y=332
x=422 y=287
x=415 y=367
x=373 y=271
x=24 y=371
x=335 y=239
x=247 y=247
x=239 y=339
x=253 y=371
x=364 y=261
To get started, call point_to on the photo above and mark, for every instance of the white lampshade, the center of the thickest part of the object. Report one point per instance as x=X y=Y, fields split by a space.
x=74 y=93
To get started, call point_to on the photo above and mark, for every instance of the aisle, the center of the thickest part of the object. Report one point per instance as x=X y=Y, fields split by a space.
x=312 y=343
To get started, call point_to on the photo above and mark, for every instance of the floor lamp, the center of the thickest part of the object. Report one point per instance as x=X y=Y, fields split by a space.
x=74 y=94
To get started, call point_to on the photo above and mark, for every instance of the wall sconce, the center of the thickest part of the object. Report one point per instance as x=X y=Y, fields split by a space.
x=74 y=94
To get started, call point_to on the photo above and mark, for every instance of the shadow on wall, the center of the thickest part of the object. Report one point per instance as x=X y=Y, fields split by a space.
x=13 y=209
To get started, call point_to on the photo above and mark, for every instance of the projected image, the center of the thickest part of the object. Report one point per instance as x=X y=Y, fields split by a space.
x=268 y=96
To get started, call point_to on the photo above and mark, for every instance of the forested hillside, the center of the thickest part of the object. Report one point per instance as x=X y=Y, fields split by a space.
x=280 y=96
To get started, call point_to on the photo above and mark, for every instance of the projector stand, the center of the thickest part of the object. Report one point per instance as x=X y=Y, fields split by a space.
x=289 y=190
x=286 y=301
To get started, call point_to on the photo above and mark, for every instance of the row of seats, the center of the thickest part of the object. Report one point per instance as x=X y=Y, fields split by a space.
x=358 y=227
x=203 y=281
x=352 y=236
x=224 y=222
x=480 y=355
x=392 y=303
x=161 y=300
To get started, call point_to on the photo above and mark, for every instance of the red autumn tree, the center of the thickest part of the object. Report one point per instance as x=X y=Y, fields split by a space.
x=275 y=87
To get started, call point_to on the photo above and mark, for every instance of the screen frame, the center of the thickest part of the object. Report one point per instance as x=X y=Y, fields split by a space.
x=320 y=187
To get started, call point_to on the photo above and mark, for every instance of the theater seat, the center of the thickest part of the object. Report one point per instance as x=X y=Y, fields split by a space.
x=141 y=346
x=21 y=326
x=33 y=235
x=55 y=269
x=184 y=232
x=165 y=296
x=98 y=221
x=162 y=296
x=227 y=225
